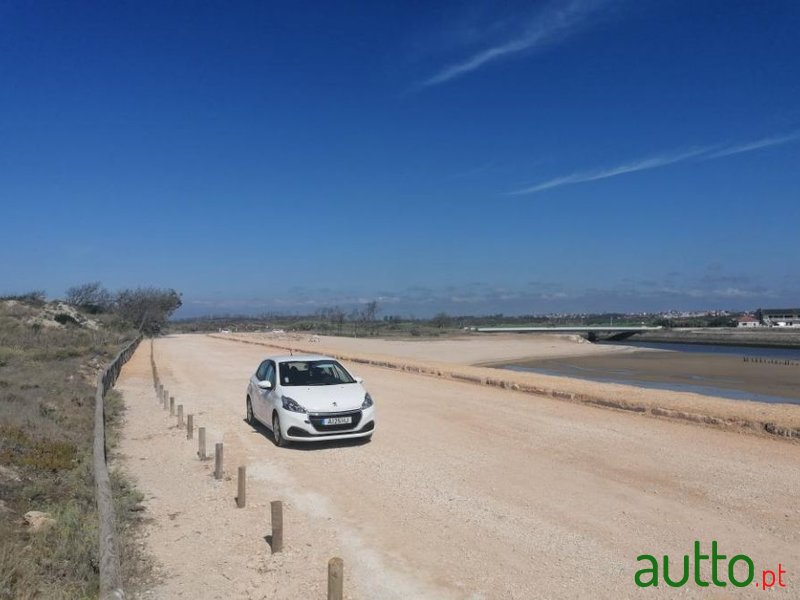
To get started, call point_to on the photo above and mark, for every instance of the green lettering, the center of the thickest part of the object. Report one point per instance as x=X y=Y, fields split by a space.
x=714 y=558
x=750 y=572
x=698 y=558
x=685 y=577
x=653 y=571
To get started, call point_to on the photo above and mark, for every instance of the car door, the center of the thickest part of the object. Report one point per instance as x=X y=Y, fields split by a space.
x=266 y=397
x=255 y=391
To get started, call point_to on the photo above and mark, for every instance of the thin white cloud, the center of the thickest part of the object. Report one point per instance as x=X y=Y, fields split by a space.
x=639 y=165
x=553 y=24
x=701 y=153
x=756 y=145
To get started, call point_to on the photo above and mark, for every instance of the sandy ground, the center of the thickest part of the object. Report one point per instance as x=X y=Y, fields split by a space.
x=466 y=491
x=463 y=350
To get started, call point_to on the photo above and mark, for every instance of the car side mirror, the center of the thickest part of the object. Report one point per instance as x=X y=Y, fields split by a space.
x=265 y=385
x=359 y=379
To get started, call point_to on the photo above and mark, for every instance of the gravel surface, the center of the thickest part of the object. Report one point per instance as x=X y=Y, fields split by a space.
x=466 y=491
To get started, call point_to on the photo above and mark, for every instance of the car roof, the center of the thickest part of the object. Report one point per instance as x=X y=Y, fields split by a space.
x=298 y=357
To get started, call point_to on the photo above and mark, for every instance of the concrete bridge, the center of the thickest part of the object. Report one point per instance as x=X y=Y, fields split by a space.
x=609 y=332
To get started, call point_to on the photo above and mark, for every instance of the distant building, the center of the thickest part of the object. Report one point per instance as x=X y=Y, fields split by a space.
x=748 y=321
x=781 y=317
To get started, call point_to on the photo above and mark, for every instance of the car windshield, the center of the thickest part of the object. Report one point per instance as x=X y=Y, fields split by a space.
x=314 y=372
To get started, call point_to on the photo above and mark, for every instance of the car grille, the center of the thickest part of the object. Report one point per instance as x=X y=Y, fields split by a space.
x=316 y=420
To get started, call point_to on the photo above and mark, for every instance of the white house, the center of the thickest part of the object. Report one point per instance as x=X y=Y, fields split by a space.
x=748 y=321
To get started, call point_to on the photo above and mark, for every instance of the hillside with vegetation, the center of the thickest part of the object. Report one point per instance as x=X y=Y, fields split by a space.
x=50 y=354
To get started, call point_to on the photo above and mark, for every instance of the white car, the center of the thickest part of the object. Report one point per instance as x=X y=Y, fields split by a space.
x=309 y=398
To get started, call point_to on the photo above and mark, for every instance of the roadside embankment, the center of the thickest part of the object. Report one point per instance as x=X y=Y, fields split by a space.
x=753 y=417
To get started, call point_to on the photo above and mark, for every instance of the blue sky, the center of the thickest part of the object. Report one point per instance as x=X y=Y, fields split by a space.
x=467 y=157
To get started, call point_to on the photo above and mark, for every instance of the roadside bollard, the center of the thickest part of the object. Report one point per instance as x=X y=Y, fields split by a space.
x=218 y=461
x=189 y=426
x=241 y=497
x=201 y=446
x=172 y=406
x=180 y=416
x=276 y=509
x=336 y=579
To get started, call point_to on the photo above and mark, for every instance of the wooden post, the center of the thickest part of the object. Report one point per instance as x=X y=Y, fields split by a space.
x=240 y=487
x=276 y=507
x=336 y=579
x=189 y=426
x=172 y=406
x=201 y=448
x=180 y=416
x=218 y=461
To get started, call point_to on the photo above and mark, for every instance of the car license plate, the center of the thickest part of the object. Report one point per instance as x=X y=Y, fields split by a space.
x=337 y=420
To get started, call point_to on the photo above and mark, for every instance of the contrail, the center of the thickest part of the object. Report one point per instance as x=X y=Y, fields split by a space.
x=554 y=24
x=639 y=165
x=701 y=153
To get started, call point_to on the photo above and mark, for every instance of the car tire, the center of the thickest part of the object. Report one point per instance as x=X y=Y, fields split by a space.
x=250 y=418
x=277 y=433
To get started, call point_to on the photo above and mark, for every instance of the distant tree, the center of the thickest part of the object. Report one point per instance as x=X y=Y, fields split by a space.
x=369 y=314
x=441 y=320
x=722 y=321
x=91 y=297
x=337 y=317
x=334 y=317
x=355 y=316
x=147 y=308
x=371 y=310
x=34 y=297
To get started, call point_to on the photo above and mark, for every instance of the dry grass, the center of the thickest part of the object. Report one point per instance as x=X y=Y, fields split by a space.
x=47 y=377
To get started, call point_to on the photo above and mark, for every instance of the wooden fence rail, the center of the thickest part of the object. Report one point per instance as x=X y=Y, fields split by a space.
x=110 y=578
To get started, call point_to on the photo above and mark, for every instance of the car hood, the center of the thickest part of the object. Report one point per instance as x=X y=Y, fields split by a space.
x=327 y=398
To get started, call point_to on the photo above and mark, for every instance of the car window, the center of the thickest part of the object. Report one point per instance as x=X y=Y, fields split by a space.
x=270 y=373
x=261 y=373
x=313 y=372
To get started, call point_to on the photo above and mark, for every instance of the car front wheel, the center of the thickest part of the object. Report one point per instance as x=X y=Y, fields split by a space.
x=277 y=434
x=251 y=419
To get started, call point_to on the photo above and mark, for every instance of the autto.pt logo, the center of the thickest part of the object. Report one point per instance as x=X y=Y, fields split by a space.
x=737 y=571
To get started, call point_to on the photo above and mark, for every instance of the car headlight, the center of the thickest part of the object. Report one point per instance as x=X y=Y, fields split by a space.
x=367 y=401
x=292 y=405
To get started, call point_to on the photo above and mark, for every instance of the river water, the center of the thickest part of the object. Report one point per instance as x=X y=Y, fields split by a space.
x=750 y=351
x=736 y=372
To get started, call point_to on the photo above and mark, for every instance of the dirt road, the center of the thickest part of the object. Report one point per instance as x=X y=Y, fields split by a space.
x=465 y=491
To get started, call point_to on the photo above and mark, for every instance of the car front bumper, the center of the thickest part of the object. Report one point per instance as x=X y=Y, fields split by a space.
x=298 y=427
